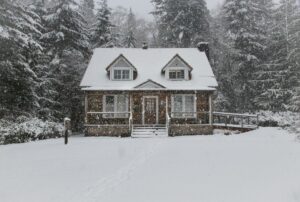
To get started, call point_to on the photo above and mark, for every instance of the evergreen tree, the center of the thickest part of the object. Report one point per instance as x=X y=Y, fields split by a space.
x=129 y=38
x=102 y=34
x=247 y=38
x=182 y=23
x=67 y=44
x=87 y=10
x=18 y=31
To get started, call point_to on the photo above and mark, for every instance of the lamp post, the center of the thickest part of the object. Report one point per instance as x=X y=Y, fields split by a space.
x=67 y=124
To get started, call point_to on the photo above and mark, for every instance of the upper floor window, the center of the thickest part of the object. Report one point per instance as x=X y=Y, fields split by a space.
x=121 y=74
x=121 y=69
x=177 y=69
x=176 y=74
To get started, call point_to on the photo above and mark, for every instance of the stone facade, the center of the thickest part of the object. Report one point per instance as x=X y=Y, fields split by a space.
x=97 y=125
x=181 y=130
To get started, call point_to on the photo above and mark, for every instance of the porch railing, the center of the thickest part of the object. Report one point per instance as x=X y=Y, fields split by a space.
x=108 y=118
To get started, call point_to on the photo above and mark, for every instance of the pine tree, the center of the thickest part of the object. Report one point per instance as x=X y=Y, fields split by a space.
x=18 y=31
x=87 y=10
x=102 y=34
x=182 y=23
x=279 y=74
x=247 y=38
x=129 y=38
x=68 y=46
x=294 y=53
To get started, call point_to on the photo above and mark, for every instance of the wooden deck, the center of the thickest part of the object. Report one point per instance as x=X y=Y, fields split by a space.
x=235 y=121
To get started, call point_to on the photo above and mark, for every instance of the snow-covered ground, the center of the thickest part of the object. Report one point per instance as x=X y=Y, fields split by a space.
x=260 y=166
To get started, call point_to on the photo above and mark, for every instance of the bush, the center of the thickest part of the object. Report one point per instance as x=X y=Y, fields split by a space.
x=25 y=130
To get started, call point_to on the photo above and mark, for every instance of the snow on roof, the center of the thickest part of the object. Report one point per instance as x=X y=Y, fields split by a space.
x=149 y=64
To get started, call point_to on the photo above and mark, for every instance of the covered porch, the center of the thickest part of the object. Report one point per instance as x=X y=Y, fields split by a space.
x=180 y=113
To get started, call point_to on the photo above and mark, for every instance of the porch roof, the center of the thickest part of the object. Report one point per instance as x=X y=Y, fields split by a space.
x=149 y=64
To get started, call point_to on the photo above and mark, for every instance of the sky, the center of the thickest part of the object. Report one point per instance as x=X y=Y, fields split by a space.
x=144 y=7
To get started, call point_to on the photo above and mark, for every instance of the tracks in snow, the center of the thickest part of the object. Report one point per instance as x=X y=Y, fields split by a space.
x=97 y=190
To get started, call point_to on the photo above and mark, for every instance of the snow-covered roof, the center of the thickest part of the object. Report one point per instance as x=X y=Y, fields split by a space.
x=149 y=64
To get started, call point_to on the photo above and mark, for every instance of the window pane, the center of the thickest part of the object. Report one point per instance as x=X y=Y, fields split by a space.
x=117 y=74
x=125 y=74
x=121 y=104
x=109 y=106
x=176 y=74
x=180 y=74
x=189 y=106
x=172 y=75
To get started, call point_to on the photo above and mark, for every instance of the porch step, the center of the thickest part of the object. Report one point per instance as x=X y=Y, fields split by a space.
x=147 y=131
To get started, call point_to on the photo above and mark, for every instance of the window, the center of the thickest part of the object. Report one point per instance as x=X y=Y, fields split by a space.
x=115 y=103
x=183 y=106
x=176 y=74
x=121 y=74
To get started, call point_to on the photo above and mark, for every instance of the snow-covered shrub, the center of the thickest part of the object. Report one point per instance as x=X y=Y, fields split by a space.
x=24 y=130
x=282 y=119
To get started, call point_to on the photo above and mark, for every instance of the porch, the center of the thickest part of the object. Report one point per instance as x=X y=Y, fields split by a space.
x=171 y=113
x=173 y=127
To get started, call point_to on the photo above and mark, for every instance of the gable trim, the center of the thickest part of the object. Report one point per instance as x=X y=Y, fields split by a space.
x=119 y=57
x=150 y=81
x=180 y=58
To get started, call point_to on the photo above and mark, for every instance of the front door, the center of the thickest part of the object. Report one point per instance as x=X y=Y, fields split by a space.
x=150 y=111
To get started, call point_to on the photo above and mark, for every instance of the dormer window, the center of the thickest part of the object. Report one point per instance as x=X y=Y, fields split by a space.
x=177 y=69
x=176 y=74
x=121 y=70
x=121 y=74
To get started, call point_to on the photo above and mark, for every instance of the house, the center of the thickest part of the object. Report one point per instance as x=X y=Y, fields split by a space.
x=158 y=90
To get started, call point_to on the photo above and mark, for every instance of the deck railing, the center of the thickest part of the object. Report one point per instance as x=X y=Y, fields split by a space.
x=235 y=120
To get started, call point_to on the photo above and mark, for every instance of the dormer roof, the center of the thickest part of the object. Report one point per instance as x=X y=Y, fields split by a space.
x=119 y=61
x=177 y=61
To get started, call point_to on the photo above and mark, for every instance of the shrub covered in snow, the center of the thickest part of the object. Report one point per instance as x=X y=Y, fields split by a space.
x=286 y=119
x=24 y=130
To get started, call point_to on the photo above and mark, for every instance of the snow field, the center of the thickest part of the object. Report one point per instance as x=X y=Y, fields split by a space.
x=258 y=166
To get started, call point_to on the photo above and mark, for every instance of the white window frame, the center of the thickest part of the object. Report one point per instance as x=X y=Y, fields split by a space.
x=112 y=77
x=115 y=107
x=176 y=74
x=183 y=107
x=170 y=69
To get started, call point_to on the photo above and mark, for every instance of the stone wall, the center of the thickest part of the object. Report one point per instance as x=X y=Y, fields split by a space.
x=108 y=131
x=181 y=130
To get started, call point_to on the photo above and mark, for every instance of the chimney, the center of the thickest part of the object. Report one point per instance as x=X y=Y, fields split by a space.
x=204 y=47
x=145 y=46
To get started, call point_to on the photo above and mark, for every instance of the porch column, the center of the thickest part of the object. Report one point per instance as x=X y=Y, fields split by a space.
x=210 y=110
x=85 y=106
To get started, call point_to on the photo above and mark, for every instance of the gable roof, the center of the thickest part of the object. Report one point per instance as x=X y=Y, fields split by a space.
x=149 y=84
x=181 y=60
x=149 y=64
x=121 y=56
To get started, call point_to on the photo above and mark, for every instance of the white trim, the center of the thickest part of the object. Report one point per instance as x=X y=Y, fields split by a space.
x=183 y=101
x=143 y=112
